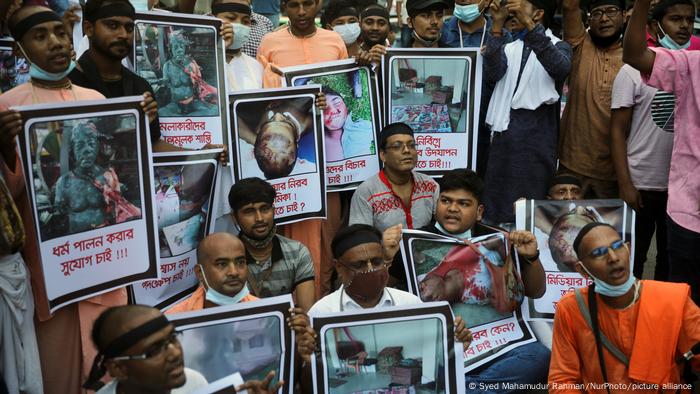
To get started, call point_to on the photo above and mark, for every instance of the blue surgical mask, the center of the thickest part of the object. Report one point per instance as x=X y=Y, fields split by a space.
x=36 y=72
x=222 y=299
x=606 y=289
x=467 y=13
x=668 y=43
x=240 y=35
x=464 y=235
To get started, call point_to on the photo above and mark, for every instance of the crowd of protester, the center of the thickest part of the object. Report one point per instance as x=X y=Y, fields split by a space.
x=615 y=63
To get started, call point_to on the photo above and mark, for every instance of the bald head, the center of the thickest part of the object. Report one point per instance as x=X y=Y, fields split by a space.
x=222 y=264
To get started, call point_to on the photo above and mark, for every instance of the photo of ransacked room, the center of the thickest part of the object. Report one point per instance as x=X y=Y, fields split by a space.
x=428 y=94
x=250 y=347
x=374 y=358
x=182 y=195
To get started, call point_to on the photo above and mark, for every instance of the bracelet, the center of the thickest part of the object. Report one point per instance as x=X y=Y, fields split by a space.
x=530 y=259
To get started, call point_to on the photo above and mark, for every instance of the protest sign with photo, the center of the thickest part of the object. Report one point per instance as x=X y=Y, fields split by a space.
x=278 y=136
x=351 y=118
x=250 y=338
x=555 y=224
x=183 y=190
x=14 y=70
x=182 y=57
x=88 y=173
x=479 y=280
x=360 y=351
x=437 y=92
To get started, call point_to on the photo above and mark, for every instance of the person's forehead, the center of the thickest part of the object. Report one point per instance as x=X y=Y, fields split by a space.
x=605 y=7
x=399 y=138
x=344 y=18
x=362 y=252
x=565 y=186
x=598 y=237
x=680 y=9
x=458 y=194
x=46 y=26
x=374 y=19
x=124 y=20
x=225 y=248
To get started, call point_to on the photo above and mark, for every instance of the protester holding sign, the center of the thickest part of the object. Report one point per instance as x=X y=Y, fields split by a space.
x=63 y=338
x=425 y=18
x=342 y=17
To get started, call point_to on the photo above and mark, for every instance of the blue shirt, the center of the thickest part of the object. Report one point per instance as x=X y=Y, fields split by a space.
x=451 y=31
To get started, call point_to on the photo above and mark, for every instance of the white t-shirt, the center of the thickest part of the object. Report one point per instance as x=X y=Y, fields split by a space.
x=244 y=73
x=650 y=140
x=195 y=381
x=339 y=301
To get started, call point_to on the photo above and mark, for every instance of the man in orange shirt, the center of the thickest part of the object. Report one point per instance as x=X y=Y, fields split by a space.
x=222 y=271
x=614 y=324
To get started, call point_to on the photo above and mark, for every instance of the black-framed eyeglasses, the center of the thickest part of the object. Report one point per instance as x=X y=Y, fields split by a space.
x=400 y=146
x=611 y=12
x=600 y=252
x=371 y=264
x=156 y=350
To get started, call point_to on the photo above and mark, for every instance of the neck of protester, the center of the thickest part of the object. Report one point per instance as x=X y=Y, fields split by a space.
x=353 y=48
x=398 y=178
x=63 y=83
x=296 y=32
x=620 y=302
x=258 y=253
x=110 y=69
x=473 y=26
x=231 y=53
x=420 y=42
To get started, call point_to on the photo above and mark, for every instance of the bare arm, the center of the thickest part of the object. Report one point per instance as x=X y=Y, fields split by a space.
x=573 y=25
x=619 y=131
x=635 y=52
x=186 y=6
x=305 y=295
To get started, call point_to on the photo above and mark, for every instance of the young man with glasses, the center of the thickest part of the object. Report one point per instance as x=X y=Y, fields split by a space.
x=584 y=138
x=397 y=194
x=141 y=350
x=614 y=324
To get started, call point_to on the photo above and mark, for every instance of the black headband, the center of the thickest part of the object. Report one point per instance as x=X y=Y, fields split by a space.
x=121 y=344
x=564 y=179
x=585 y=230
x=375 y=11
x=597 y=3
x=352 y=240
x=26 y=24
x=230 y=7
x=112 y=9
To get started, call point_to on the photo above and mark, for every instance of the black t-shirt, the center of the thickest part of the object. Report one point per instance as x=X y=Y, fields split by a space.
x=87 y=76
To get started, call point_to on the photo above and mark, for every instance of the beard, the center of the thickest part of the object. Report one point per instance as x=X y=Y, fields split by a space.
x=370 y=43
x=106 y=49
x=604 y=42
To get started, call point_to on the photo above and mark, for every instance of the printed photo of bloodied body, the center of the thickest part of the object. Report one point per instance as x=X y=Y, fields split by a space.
x=182 y=193
x=348 y=116
x=180 y=64
x=478 y=280
x=276 y=138
x=556 y=224
x=428 y=94
x=85 y=173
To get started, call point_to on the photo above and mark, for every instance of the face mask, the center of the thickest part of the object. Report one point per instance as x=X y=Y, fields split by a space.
x=464 y=235
x=258 y=243
x=668 y=43
x=240 y=35
x=606 y=289
x=368 y=285
x=36 y=72
x=222 y=299
x=467 y=13
x=348 y=32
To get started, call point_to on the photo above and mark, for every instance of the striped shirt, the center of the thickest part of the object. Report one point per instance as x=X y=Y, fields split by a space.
x=289 y=265
x=376 y=204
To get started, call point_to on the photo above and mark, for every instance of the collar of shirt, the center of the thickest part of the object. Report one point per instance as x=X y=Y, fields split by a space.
x=346 y=302
x=275 y=255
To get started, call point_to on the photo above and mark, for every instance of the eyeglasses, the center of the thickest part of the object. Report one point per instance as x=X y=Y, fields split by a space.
x=600 y=252
x=371 y=264
x=156 y=350
x=400 y=146
x=609 y=12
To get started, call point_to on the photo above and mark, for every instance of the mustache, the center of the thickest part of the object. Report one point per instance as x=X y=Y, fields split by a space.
x=121 y=43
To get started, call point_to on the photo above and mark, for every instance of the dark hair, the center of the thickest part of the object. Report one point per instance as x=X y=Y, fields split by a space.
x=91 y=7
x=549 y=7
x=585 y=230
x=462 y=179
x=98 y=326
x=334 y=8
x=250 y=191
x=340 y=242
x=661 y=8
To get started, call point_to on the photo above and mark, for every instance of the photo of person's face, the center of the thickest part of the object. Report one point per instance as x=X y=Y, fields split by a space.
x=276 y=146
x=562 y=235
x=335 y=113
x=84 y=147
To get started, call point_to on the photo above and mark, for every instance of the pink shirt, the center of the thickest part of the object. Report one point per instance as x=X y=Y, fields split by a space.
x=678 y=72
